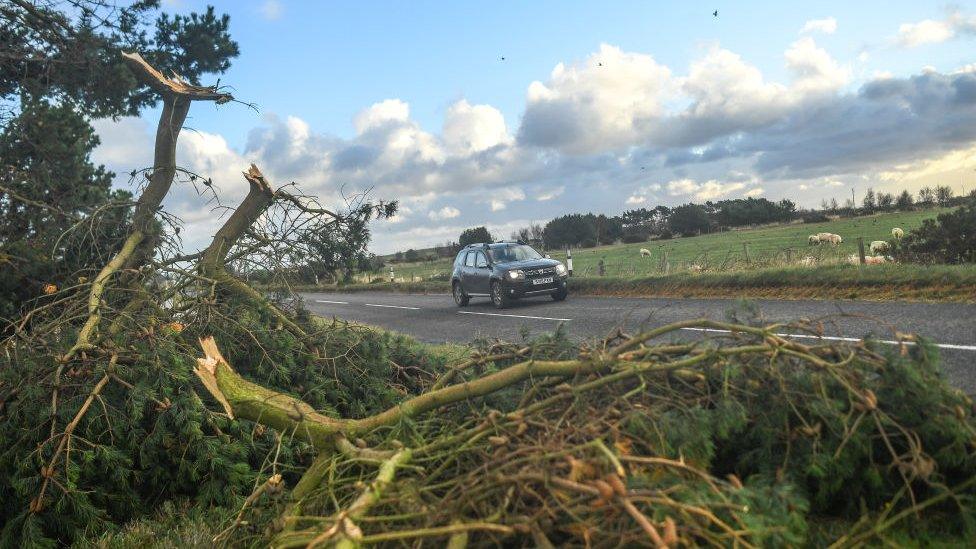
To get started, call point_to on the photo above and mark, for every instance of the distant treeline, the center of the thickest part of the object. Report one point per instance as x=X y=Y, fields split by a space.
x=662 y=222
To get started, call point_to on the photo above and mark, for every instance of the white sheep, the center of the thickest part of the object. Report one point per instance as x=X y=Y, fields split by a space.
x=835 y=239
x=645 y=252
x=824 y=237
x=868 y=259
x=879 y=246
x=897 y=233
x=813 y=240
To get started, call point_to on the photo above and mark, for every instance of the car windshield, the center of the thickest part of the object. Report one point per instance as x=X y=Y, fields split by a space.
x=515 y=252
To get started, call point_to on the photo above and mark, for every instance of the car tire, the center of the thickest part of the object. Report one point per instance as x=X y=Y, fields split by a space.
x=498 y=297
x=459 y=296
x=560 y=295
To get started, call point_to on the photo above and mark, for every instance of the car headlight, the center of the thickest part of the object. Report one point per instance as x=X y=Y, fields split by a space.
x=516 y=274
x=561 y=269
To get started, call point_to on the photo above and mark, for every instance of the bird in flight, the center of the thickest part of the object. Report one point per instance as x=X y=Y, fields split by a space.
x=503 y=58
x=715 y=13
x=599 y=64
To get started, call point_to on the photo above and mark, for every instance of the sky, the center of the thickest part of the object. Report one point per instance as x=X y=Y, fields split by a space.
x=508 y=113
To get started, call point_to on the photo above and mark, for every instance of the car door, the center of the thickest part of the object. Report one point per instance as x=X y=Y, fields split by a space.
x=468 y=273
x=481 y=274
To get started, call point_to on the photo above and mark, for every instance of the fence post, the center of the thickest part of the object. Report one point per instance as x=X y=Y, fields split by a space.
x=860 y=250
x=745 y=250
x=789 y=255
x=391 y=274
x=569 y=260
x=601 y=267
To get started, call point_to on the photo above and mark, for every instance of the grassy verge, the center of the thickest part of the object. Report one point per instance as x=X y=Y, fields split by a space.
x=876 y=282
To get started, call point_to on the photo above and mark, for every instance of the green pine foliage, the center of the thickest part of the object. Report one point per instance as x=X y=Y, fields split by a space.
x=153 y=434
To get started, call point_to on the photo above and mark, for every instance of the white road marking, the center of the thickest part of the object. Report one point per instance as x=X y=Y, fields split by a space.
x=840 y=338
x=391 y=306
x=514 y=316
x=334 y=302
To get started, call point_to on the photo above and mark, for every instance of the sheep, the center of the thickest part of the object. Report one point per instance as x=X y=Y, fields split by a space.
x=831 y=238
x=645 y=252
x=813 y=240
x=897 y=233
x=879 y=246
x=868 y=259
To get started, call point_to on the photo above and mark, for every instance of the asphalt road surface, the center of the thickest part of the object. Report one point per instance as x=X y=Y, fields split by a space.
x=436 y=319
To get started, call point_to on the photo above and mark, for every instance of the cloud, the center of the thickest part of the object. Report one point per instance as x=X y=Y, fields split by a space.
x=594 y=105
x=752 y=193
x=551 y=193
x=447 y=212
x=271 y=9
x=826 y=26
x=932 y=31
x=474 y=128
x=708 y=190
x=928 y=31
x=636 y=200
x=499 y=198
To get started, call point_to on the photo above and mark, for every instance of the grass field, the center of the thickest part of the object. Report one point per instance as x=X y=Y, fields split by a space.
x=777 y=246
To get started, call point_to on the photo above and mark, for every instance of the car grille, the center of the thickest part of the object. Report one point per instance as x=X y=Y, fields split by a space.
x=540 y=272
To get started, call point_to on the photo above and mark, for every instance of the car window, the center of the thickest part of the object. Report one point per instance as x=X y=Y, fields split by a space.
x=469 y=260
x=480 y=261
x=518 y=252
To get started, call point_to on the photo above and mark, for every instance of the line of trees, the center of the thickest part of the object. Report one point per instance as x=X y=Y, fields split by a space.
x=639 y=225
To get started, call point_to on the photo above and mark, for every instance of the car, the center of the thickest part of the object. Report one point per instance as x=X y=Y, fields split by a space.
x=506 y=271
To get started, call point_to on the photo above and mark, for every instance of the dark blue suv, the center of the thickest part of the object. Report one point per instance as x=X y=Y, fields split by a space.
x=505 y=271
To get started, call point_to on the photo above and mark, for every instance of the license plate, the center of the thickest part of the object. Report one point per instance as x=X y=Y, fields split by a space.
x=547 y=280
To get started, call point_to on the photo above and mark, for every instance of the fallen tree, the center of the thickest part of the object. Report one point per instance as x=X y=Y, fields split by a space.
x=325 y=434
x=748 y=440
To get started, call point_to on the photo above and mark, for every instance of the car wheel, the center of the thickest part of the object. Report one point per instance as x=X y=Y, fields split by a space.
x=560 y=295
x=459 y=297
x=498 y=297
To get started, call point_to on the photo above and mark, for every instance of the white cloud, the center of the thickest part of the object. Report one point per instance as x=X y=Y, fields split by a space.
x=447 y=212
x=550 y=194
x=758 y=191
x=709 y=190
x=927 y=31
x=636 y=199
x=932 y=31
x=826 y=26
x=595 y=105
x=499 y=198
x=473 y=128
x=682 y=186
x=815 y=70
x=271 y=9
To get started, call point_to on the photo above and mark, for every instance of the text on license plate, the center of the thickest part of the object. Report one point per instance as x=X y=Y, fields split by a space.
x=547 y=280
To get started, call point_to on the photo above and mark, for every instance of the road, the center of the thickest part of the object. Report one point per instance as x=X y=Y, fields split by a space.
x=435 y=319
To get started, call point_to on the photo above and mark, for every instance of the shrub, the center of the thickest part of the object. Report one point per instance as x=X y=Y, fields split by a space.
x=950 y=238
x=815 y=217
x=634 y=238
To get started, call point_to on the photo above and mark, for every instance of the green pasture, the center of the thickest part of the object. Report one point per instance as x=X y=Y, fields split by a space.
x=773 y=246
